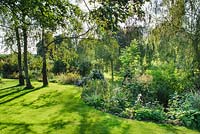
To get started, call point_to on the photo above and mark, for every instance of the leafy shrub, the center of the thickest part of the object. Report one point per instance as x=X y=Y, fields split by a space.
x=35 y=75
x=128 y=113
x=163 y=84
x=135 y=88
x=94 y=75
x=117 y=101
x=94 y=93
x=84 y=68
x=94 y=100
x=9 y=70
x=59 y=67
x=184 y=102
x=185 y=108
x=191 y=119
x=130 y=57
x=155 y=115
x=105 y=97
x=195 y=100
x=69 y=78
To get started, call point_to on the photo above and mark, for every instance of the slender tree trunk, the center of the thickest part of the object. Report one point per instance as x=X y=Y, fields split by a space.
x=21 y=77
x=44 y=62
x=197 y=52
x=195 y=43
x=28 y=82
x=112 y=69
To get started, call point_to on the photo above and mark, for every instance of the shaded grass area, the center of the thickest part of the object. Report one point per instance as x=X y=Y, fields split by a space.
x=58 y=109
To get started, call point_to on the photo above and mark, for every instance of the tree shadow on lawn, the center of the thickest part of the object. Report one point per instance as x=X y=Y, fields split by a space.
x=1 y=89
x=26 y=127
x=15 y=93
x=10 y=90
x=93 y=121
x=171 y=128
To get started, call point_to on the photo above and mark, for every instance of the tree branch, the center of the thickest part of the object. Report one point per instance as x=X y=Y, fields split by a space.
x=6 y=27
x=72 y=37
x=86 y=5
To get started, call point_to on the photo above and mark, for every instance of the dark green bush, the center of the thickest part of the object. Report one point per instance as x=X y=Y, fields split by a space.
x=9 y=70
x=164 y=84
x=185 y=109
x=85 y=68
x=35 y=75
x=59 y=67
x=195 y=100
x=96 y=74
x=155 y=115
x=191 y=119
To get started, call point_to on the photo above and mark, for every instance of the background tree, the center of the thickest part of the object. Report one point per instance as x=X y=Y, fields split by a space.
x=50 y=15
x=10 y=23
x=108 y=50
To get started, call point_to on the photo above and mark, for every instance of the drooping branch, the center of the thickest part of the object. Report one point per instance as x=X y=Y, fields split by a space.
x=4 y=26
x=71 y=37
x=86 y=6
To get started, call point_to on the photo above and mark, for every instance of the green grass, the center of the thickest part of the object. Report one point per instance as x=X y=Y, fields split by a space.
x=58 y=109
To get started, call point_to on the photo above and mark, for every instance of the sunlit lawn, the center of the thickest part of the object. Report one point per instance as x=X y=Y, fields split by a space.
x=58 y=109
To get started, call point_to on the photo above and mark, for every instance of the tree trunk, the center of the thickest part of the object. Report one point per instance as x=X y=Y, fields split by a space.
x=112 y=69
x=195 y=43
x=44 y=62
x=28 y=82
x=21 y=77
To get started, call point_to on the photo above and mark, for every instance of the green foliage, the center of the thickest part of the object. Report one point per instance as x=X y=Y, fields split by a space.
x=128 y=113
x=84 y=67
x=135 y=88
x=108 y=49
x=185 y=109
x=68 y=78
x=94 y=92
x=117 y=102
x=59 y=67
x=195 y=100
x=105 y=97
x=111 y=13
x=190 y=119
x=166 y=80
x=96 y=75
x=150 y=115
x=35 y=75
x=130 y=57
x=9 y=66
x=9 y=70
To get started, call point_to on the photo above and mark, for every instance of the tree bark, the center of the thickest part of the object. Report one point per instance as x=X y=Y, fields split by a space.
x=44 y=62
x=21 y=77
x=25 y=37
x=112 y=69
x=195 y=43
